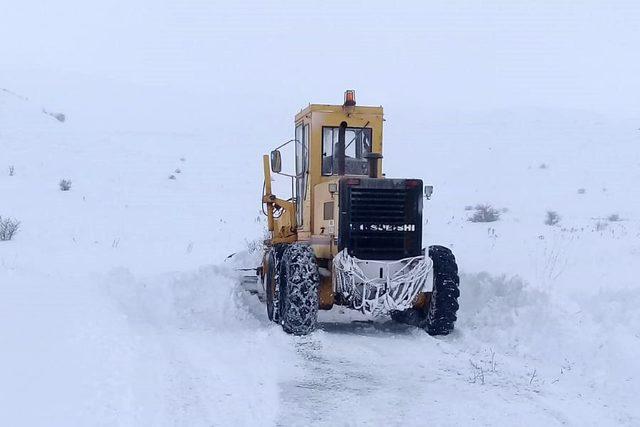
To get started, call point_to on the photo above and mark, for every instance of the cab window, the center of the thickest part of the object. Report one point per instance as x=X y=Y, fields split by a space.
x=357 y=144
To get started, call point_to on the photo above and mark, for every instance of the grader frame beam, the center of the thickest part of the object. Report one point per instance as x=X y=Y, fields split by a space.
x=287 y=231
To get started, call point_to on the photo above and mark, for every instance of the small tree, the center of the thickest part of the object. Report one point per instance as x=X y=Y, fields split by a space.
x=8 y=228
x=65 y=184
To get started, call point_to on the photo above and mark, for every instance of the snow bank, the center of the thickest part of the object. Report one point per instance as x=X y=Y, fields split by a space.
x=200 y=300
x=193 y=348
x=121 y=350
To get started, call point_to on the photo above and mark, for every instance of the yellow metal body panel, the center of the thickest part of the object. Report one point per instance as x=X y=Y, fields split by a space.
x=318 y=116
x=319 y=231
x=315 y=229
x=324 y=234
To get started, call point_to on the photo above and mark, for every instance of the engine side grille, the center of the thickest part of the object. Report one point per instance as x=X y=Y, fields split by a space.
x=381 y=219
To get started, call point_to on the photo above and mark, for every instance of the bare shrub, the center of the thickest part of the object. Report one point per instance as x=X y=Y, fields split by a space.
x=255 y=246
x=8 y=228
x=485 y=213
x=477 y=373
x=552 y=218
x=259 y=245
x=601 y=225
x=12 y=170
x=65 y=184
x=614 y=218
x=58 y=116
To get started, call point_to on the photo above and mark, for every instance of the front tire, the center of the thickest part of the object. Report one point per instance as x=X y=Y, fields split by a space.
x=441 y=313
x=299 y=281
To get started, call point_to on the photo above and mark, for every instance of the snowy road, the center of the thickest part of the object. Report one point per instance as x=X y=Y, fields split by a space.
x=355 y=372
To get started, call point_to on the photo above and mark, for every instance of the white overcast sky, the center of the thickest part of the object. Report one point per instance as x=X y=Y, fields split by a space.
x=443 y=55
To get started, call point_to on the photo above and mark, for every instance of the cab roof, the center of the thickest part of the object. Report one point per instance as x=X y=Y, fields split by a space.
x=326 y=108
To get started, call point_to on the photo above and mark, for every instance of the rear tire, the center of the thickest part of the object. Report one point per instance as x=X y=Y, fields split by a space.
x=443 y=305
x=299 y=281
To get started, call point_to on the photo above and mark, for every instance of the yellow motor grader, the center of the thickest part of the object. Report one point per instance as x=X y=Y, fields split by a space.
x=348 y=235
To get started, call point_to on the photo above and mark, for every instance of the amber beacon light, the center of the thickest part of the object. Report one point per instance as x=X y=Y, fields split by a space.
x=350 y=98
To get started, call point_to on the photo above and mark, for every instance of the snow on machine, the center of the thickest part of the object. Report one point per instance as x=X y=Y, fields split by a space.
x=350 y=236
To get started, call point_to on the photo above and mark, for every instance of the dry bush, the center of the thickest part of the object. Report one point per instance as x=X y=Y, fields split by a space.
x=601 y=225
x=65 y=184
x=552 y=218
x=8 y=228
x=485 y=213
x=614 y=218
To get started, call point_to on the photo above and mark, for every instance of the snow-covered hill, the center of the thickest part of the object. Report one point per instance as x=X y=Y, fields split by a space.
x=119 y=304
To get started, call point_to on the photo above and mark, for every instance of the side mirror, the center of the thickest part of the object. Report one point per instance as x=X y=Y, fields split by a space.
x=276 y=161
x=428 y=191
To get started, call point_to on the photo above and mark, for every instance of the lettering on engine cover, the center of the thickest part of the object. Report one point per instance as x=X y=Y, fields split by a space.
x=384 y=227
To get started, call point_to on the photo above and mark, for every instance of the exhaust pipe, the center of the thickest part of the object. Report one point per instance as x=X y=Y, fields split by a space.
x=340 y=149
x=373 y=158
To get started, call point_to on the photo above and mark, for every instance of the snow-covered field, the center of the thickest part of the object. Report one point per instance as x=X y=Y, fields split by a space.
x=120 y=299
x=119 y=305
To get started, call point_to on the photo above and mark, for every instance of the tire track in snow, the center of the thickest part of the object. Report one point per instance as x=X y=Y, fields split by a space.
x=356 y=373
x=348 y=377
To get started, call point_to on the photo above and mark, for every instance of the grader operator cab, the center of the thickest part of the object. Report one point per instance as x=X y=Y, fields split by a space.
x=348 y=235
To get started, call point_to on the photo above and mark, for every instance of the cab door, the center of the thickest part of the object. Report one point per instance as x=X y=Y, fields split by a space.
x=302 y=169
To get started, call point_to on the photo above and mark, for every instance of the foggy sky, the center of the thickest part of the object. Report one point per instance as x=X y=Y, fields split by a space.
x=432 y=55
